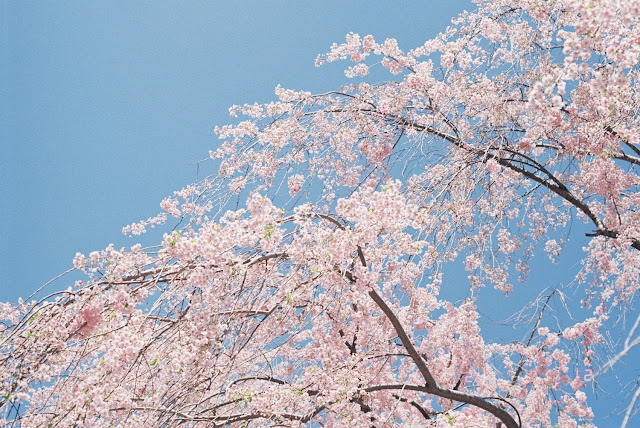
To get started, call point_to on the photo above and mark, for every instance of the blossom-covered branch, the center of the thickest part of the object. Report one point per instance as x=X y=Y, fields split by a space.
x=316 y=279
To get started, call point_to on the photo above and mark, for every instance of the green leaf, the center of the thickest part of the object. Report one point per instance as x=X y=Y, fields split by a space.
x=268 y=230
x=153 y=362
x=450 y=419
x=173 y=242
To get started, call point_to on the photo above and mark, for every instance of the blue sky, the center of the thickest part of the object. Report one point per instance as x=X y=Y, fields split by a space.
x=105 y=107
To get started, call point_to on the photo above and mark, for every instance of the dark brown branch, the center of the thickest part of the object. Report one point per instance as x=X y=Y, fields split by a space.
x=427 y=415
x=431 y=386
x=626 y=142
x=627 y=158
x=350 y=345
x=413 y=353
x=557 y=187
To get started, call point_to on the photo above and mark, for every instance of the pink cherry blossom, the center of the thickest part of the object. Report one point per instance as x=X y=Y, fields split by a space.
x=295 y=183
x=509 y=138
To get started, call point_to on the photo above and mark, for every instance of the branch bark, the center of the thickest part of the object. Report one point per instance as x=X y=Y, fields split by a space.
x=431 y=386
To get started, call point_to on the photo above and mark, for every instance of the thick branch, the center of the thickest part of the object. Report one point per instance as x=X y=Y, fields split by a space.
x=554 y=185
x=413 y=353
x=431 y=386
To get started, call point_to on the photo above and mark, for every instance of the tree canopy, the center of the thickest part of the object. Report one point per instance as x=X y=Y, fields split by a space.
x=304 y=283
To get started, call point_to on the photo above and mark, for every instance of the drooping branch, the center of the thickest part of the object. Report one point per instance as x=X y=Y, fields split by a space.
x=552 y=183
x=628 y=345
x=406 y=342
x=628 y=414
x=431 y=386
x=519 y=369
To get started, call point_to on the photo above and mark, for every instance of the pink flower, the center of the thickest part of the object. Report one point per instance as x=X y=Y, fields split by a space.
x=493 y=166
x=79 y=261
x=88 y=319
x=295 y=184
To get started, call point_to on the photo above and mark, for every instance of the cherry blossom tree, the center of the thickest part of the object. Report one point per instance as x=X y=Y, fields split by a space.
x=303 y=284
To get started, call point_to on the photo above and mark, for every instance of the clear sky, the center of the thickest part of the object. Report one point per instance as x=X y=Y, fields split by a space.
x=105 y=107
